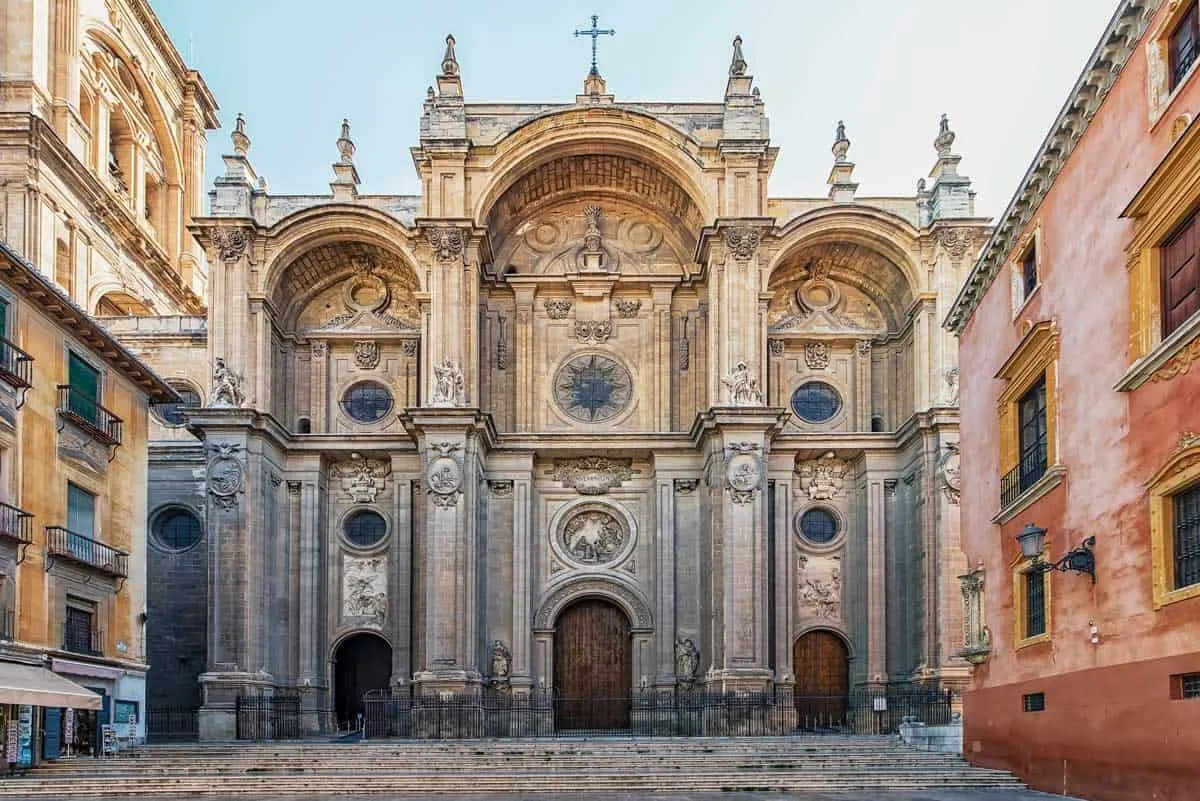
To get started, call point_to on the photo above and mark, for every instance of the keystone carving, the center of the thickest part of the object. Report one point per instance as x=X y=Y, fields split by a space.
x=593 y=331
x=592 y=475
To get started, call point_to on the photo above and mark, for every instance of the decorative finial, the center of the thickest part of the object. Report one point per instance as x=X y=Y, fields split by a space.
x=920 y=185
x=449 y=60
x=738 y=66
x=840 y=143
x=345 y=145
x=945 y=138
x=241 y=142
x=429 y=95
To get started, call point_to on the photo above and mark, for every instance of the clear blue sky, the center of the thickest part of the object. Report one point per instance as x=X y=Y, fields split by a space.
x=1000 y=68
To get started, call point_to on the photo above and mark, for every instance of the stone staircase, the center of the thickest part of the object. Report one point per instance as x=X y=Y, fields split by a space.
x=318 y=769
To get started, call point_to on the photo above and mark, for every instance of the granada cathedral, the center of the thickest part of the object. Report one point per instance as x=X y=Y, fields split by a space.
x=594 y=412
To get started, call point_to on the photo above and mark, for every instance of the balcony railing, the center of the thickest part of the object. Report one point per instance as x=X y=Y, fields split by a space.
x=66 y=544
x=8 y=625
x=16 y=366
x=1016 y=481
x=103 y=425
x=16 y=524
x=90 y=643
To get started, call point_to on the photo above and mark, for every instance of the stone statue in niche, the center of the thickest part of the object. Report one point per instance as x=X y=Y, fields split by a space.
x=501 y=660
x=592 y=256
x=743 y=387
x=364 y=588
x=227 y=386
x=977 y=637
x=687 y=661
x=448 y=384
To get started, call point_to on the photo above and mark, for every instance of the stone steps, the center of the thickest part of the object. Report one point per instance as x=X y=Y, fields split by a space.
x=317 y=769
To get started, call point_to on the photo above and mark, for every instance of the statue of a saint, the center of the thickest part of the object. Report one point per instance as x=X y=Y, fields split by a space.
x=227 y=385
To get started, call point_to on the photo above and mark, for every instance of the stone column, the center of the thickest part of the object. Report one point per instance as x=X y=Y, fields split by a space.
x=525 y=295
x=664 y=612
x=862 y=385
x=881 y=495
x=736 y=441
x=400 y=581
x=523 y=667
x=453 y=443
x=453 y=302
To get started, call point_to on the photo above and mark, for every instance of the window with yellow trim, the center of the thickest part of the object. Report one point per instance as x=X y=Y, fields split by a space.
x=1027 y=411
x=1164 y=276
x=1031 y=604
x=1171 y=50
x=1175 y=524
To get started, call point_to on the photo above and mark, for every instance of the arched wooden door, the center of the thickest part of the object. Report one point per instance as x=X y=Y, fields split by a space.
x=362 y=662
x=593 y=666
x=822 y=666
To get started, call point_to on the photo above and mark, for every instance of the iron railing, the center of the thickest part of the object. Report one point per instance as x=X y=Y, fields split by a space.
x=168 y=724
x=268 y=717
x=88 y=642
x=500 y=713
x=76 y=406
x=16 y=366
x=61 y=542
x=1027 y=472
x=8 y=624
x=16 y=524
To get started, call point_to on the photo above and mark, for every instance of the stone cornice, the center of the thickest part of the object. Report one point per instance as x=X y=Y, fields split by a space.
x=54 y=303
x=1116 y=45
x=45 y=142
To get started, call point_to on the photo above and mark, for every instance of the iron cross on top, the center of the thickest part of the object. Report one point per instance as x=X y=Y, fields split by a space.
x=595 y=33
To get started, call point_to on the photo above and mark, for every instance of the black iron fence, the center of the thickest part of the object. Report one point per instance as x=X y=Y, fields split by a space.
x=540 y=713
x=172 y=724
x=61 y=542
x=269 y=717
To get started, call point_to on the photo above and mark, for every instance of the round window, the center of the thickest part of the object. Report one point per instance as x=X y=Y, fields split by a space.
x=171 y=414
x=367 y=402
x=365 y=528
x=818 y=526
x=592 y=388
x=177 y=529
x=816 y=402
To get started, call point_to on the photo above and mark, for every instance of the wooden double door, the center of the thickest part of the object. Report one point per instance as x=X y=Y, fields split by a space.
x=593 y=667
x=822 y=666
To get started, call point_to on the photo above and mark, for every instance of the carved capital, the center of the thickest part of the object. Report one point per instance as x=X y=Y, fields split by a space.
x=557 y=308
x=446 y=243
x=230 y=243
x=743 y=242
x=957 y=240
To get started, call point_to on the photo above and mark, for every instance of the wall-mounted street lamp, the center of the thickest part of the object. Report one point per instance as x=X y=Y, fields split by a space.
x=1081 y=560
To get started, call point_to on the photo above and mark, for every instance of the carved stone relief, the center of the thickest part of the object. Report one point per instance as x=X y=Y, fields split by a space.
x=443 y=476
x=822 y=478
x=627 y=308
x=446 y=243
x=951 y=377
x=227 y=386
x=949 y=474
x=743 y=387
x=686 y=486
x=362 y=479
x=743 y=242
x=448 y=386
x=687 y=661
x=226 y=476
x=776 y=347
x=816 y=355
x=592 y=537
x=743 y=472
x=230 y=243
x=364 y=587
x=557 y=308
x=593 y=331
x=501 y=488
x=592 y=475
x=977 y=637
x=366 y=354
x=819 y=586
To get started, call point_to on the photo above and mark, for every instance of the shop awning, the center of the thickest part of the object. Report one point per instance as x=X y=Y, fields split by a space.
x=29 y=684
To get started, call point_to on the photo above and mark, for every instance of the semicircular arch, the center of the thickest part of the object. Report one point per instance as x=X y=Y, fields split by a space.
x=610 y=588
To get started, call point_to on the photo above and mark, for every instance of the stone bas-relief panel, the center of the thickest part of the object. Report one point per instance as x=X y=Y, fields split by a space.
x=819 y=587
x=592 y=537
x=364 y=587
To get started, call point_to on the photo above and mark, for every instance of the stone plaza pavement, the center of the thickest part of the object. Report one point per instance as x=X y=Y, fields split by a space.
x=870 y=795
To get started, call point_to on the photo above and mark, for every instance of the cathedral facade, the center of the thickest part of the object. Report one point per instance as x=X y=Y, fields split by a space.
x=594 y=412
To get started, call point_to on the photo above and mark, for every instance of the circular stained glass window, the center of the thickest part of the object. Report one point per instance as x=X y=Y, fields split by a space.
x=818 y=526
x=171 y=414
x=365 y=528
x=816 y=402
x=177 y=529
x=367 y=402
x=592 y=388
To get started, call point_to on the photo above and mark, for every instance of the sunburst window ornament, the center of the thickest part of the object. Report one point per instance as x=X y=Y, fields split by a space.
x=592 y=388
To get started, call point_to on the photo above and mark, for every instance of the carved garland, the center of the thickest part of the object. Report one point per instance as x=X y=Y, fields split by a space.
x=230 y=243
x=446 y=243
x=743 y=242
x=592 y=475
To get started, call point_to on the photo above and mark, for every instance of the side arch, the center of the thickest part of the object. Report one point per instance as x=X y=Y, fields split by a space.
x=557 y=598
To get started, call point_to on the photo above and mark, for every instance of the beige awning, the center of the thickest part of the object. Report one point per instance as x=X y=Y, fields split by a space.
x=29 y=684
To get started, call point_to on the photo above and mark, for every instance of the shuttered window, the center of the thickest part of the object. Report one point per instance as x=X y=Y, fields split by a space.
x=1183 y=45
x=1181 y=276
x=81 y=511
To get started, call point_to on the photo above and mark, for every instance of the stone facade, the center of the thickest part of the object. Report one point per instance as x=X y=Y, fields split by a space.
x=573 y=367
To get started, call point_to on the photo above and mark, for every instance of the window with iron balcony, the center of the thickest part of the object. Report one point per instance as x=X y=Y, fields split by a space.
x=1028 y=422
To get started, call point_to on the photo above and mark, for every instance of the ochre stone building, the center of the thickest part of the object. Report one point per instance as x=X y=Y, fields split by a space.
x=102 y=131
x=1080 y=335
x=593 y=412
